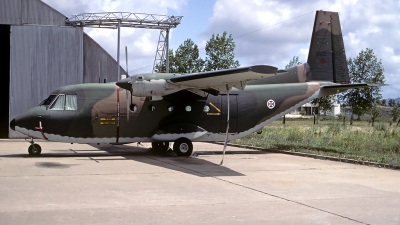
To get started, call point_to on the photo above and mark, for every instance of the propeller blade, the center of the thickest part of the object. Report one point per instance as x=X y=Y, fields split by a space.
x=128 y=104
x=126 y=57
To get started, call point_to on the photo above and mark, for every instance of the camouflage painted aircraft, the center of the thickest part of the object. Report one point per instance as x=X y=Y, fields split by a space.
x=184 y=108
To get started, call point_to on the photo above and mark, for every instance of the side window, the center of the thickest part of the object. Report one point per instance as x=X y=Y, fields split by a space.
x=48 y=100
x=71 y=102
x=58 y=103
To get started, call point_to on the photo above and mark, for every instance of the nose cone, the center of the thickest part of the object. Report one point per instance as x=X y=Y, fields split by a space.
x=125 y=84
x=12 y=124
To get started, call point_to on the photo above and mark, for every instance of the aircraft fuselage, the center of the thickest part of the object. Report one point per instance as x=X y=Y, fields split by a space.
x=101 y=114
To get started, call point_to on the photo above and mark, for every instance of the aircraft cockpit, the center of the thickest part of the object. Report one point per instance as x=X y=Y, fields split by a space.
x=60 y=102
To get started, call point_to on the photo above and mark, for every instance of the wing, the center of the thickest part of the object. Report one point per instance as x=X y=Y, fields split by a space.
x=217 y=80
x=158 y=85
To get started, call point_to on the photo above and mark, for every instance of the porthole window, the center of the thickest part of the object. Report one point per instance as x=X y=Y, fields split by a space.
x=133 y=107
x=188 y=108
x=152 y=108
x=170 y=108
x=206 y=108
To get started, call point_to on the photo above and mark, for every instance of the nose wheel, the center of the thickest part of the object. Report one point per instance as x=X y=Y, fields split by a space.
x=34 y=149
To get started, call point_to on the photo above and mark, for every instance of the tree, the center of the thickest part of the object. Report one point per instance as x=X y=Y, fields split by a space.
x=187 y=58
x=391 y=102
x=395 y=112
x=383 y=103
x=161 y=68
x=375 y=112
x=365 y=68
x=220 y=53
x=293 y=62
x=323 y=104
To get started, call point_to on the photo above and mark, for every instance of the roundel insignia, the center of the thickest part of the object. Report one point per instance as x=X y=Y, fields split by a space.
x=271 y=104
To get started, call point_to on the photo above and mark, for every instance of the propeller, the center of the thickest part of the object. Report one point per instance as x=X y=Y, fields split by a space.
x=128 y=103
x=228 y=89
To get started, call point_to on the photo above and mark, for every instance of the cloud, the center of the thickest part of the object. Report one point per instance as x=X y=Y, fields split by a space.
x=365 y=24
x=266 y=32
x=142 y=43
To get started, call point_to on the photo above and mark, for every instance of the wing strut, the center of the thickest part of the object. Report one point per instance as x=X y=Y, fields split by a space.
x=228 y=89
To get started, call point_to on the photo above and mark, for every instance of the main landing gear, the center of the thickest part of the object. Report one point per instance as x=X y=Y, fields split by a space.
x=161 y=146
x=182 y=147
x=34 y=149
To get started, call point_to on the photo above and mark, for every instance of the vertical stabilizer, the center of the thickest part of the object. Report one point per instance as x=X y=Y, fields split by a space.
x=327 y=57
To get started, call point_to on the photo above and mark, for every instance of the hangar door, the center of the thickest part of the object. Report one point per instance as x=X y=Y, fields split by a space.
x=4 y=79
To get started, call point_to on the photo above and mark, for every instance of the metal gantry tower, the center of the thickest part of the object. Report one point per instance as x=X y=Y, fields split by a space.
x=116 y=20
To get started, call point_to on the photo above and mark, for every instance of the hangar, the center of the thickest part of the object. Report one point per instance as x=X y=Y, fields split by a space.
x=38 y=53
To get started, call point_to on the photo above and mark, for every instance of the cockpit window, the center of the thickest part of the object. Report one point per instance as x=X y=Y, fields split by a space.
x=58 y=103
x=71 y=102
x=64 y=102
x=48 y=100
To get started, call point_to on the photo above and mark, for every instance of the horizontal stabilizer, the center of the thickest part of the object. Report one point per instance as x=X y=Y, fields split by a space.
x=351 y=86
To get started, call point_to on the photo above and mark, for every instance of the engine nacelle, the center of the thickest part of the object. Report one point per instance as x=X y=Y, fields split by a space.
x=153 y=88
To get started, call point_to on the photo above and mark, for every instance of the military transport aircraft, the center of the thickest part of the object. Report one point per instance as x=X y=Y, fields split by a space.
x=184 y=108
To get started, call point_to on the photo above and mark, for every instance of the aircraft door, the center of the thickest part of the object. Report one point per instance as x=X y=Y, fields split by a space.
x=104 y=123
x=233 y=115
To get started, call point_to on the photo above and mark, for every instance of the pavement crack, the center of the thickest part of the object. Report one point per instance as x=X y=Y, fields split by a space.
x=94 y=159
x=262 y=192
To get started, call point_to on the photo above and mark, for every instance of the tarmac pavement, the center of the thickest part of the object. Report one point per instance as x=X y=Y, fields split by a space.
x=127 y=184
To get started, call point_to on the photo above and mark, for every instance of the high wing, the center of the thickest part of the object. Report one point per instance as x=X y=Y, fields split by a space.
x=158 y=85
x=218 y=80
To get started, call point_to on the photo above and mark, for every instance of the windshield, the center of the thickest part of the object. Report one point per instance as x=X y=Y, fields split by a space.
x=48 y=100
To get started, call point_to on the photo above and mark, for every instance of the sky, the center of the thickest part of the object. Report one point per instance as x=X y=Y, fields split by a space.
x=265 y=32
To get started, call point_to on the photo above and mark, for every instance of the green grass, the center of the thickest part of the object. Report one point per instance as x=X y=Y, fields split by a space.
x=361 y=141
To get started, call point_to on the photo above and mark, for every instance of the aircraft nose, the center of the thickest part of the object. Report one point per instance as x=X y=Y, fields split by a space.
x=12 y=124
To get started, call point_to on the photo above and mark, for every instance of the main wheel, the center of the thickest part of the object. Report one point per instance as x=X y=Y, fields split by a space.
x=161 y=146
x=34 y=150
x=183 y=147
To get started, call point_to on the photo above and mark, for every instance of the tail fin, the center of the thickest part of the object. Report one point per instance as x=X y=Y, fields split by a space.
x=327 y=57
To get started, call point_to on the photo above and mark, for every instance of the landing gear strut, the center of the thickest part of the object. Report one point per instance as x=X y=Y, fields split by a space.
x=161 y=146
x=34 y=149
x=183 y=147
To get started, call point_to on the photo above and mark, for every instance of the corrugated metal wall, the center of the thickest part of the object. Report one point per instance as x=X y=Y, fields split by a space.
x=93 y=54
x=19 y=12
x=42 y=59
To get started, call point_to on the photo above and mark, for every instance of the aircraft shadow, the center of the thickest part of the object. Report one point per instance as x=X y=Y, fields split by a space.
x=193 y=165
x=190 y=165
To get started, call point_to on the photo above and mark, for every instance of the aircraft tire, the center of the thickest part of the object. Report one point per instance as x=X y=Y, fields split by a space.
x=183 y=147
x=34 y=150
x=160 y=146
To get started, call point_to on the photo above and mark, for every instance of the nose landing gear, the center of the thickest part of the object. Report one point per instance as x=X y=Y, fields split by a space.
x=34 y=149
